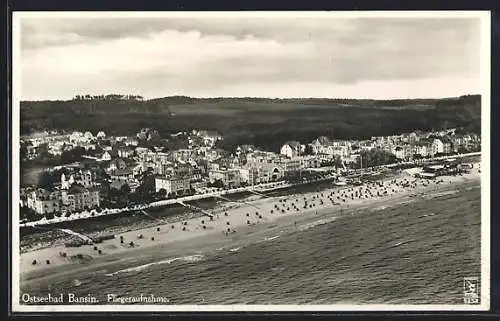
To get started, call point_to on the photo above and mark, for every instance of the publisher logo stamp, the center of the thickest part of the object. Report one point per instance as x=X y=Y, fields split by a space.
x=471 y=290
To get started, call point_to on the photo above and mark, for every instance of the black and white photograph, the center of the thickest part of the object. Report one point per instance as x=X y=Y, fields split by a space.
x=250 y=161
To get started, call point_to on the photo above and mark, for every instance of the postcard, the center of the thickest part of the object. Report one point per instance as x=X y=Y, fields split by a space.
x=250 y=161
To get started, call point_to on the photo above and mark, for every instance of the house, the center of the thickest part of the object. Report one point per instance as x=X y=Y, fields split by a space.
x=245 y=149
x=408 y=151
x=78 y=198
x=122 y=174
x=183 y=170
x=259 y=173
x=423 y=147
x=198 y=185
x=341 y=151
x=437 y=146
x=76 y=137
x=56 y=148
x=291 y=149
x=44 y=202
x=137 y=170
x=260 y=157
x=116 y=164
x=319 y=144
x=89 y=146
x=309 y=161
x=125 y=152
x=106 y=156
x=31 y=151
x=230 y=177
x=182 y=154
x=122 y=177
x=271 y=173
x=131 y=141
x=398 y=152
x=290 y=166
x=101 y=135
x=322 y=140
x=88 y=136
x=447 y=145
x=209 y=137
x=412 y=138
x=404 y=151
x=141 y=151
x=174 y=186
x=84 y=178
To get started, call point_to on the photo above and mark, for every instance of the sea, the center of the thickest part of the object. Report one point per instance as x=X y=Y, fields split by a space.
x=417 y=252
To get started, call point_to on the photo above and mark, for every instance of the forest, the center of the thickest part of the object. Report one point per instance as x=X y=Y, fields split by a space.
x=263 y=122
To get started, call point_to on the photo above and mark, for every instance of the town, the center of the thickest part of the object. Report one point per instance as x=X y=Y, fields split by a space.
x=91 y=172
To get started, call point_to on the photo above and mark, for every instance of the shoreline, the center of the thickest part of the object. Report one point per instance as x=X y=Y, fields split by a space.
x=181 y=212
x=195 y=238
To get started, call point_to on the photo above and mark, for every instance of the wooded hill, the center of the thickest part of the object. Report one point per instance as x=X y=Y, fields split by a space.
x=260 y=121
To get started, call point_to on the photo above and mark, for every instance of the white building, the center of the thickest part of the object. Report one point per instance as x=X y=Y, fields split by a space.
x=106 y=156
x=83 y=178
x=88 y=136
x=44 y=202
x=398 y=151
x=76 y=137
x=174 y=186
x=125 y=152
x=230 y=177
x=56 y=148
x=292 y=149
x=259 y=173
x=437 y=146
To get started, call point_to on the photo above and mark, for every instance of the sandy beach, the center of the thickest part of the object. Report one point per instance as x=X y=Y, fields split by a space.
x=233 y=221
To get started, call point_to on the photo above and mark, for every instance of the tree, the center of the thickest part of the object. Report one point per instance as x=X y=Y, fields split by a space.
x=48 y=179
x=375 y=157
x=308 y=150
x=162 y=193
x=218 y=183
x=72 y=155
x=125 y=189
x=28 y=214
x=145 y=192
x=23 y=151
x=336 y=161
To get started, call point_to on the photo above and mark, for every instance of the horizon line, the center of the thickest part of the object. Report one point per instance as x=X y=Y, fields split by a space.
x=247 y=97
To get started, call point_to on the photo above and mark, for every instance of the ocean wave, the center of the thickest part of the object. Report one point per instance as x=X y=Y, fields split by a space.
x=189 y=258
x=440 y=194
x=236 y=249
x=316 y=223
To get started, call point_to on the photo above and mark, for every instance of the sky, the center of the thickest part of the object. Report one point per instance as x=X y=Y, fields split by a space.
x=266 y=56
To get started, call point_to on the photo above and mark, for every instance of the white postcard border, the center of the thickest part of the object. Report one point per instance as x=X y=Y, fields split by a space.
x=485 y=18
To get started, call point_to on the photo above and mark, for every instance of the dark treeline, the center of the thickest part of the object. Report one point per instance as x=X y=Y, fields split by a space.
x=263 y=122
